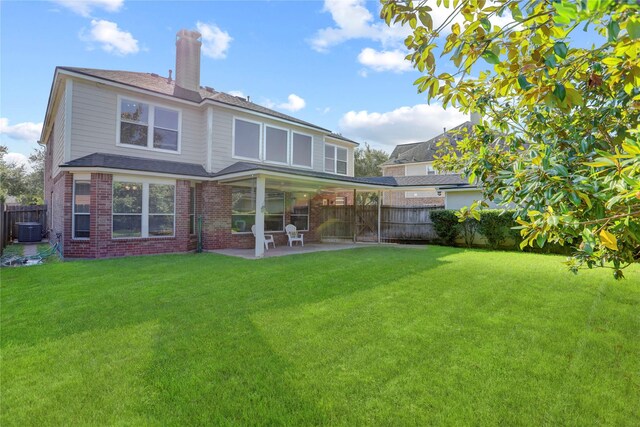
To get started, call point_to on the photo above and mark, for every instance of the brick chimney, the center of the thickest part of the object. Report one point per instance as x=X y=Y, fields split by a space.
x=188 y=59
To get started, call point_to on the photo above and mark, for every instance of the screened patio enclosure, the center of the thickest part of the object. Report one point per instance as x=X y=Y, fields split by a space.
x=326 y=209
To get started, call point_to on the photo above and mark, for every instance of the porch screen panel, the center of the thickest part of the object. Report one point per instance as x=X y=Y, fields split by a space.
x=274 y=215
x=276 y=145
x=243 y=209
x=300 y=211
x=127 y=209
x=302 y=148
x=247 y=139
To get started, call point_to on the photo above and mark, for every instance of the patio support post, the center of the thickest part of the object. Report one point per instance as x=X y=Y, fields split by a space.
x=355 y=216
x=379 y=216
x=260 y=199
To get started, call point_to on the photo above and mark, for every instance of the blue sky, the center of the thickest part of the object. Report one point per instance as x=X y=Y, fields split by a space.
x=333 y=63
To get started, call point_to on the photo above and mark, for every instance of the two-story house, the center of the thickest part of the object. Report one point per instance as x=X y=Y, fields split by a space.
x=135 y=161
x=413 y=163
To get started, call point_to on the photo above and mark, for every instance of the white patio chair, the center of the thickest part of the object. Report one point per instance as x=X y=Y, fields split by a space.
x=268 y=238
x=293 y=235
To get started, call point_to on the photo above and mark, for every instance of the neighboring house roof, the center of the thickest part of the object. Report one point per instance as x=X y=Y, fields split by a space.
x=163 y=85
x=115 y=161
x=128 y=163
x=424 y=151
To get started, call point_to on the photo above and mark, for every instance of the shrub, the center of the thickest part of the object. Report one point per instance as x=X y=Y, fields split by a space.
x=495 y=225
x=446 y=225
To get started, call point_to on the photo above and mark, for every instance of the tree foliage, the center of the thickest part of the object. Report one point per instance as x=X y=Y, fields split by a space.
x=368 y=161
x=559 y=137
x=15 y=180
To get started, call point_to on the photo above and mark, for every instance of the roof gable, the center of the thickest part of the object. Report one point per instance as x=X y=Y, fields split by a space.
x=423 y=151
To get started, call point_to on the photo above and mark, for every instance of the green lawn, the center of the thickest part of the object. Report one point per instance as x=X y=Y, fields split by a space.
x=370 y=336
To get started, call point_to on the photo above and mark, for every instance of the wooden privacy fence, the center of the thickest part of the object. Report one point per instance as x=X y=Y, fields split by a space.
x=15 y=214
x=397 y=223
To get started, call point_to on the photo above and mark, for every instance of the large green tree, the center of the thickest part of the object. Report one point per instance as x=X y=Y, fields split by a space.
x=16 y=181
x=368 y=161
x=558 y=86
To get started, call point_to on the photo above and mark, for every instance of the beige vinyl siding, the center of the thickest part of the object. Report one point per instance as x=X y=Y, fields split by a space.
x=94 y=125
x=459 y=199
x=58 y=137
x=222 y=150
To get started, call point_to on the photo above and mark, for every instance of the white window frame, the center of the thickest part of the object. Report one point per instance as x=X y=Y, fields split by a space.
x=335 y=159
x=291 y=153
x=260 y=140
x=307 y=215
x=150 y=125
x=144 y=230
x=264 y=144
x=84 y=178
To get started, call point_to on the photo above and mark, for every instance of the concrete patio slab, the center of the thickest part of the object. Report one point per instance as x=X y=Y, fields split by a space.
x=307 y=248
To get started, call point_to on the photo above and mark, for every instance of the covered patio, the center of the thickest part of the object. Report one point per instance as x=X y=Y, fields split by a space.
x=326 y=208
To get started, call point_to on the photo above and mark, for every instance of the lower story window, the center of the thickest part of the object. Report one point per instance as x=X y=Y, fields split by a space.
x=142 y=209
x=81 y=206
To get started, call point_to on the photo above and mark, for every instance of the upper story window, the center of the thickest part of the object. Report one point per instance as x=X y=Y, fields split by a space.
x=276 y=145
x=335 y=159
x=145 y=125
x=246 y=141
x=268 y=143
x=301 y=150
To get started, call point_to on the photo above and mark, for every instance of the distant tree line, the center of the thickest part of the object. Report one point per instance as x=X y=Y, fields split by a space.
x=15 y=180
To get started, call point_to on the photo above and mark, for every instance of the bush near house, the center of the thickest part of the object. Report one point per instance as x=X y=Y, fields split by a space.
x=446 y=225
x=494 y=225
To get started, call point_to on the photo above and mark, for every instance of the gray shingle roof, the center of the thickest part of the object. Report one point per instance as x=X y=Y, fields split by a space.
x=162 y=85
x=424 y=151
x=115 y=161
x=129 y=163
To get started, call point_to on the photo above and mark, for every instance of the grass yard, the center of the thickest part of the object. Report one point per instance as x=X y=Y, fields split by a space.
x=369 y=336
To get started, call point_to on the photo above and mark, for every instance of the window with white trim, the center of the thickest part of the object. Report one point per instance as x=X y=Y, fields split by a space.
x=143 y=209
x=276 y=144
x=301 y=150
x=246 y=139
x=335 y=159
x=81 y=208
x=148 y=126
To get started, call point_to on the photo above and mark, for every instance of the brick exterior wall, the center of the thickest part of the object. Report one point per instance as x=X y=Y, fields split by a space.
x=397 y=198
x=213 y=204
x=101 y=244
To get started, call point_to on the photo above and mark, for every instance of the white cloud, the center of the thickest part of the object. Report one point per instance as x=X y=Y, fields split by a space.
x=215 y=42
x=26 y=131
x=354 y=21
x=294 y=103
x=111 y=38
x=405 y=124
x=85 y=7
x=18 y=159
x=386 y=60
